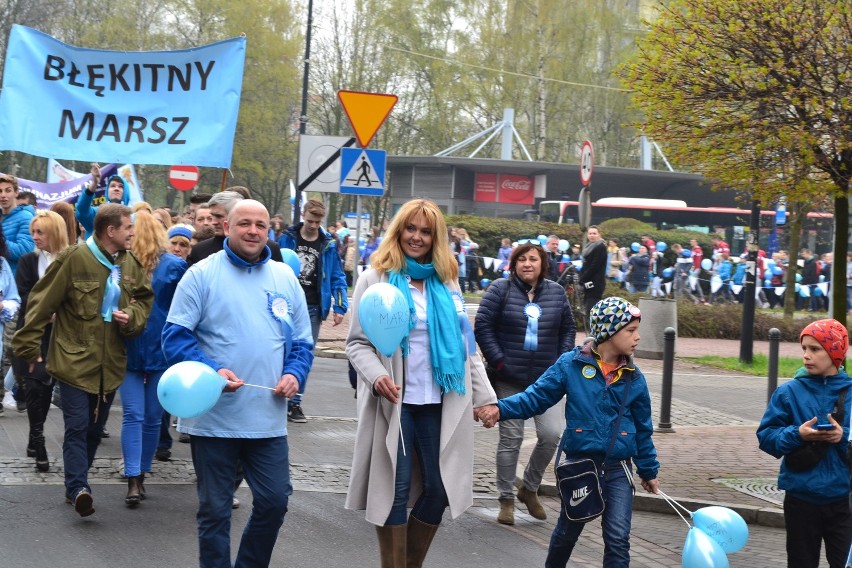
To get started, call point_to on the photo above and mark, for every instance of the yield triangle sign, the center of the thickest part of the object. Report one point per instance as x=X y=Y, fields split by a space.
x=366 y=112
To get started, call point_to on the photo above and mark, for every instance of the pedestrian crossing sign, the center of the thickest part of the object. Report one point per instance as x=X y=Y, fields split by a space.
x=362 y=172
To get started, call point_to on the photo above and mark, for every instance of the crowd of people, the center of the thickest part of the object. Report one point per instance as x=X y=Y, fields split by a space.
x=99 y=300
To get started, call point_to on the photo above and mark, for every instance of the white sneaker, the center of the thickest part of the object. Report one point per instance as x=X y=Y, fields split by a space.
x=9 y=401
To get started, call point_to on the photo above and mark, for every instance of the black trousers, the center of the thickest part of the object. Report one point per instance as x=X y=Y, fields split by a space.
x=809 y=525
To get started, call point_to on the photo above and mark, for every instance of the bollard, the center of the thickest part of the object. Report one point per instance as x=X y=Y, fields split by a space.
x=772 y=368
x=665 y=424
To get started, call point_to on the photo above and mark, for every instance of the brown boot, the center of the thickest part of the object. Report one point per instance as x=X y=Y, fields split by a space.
x=420 y=537
x=506 y=516
x=392 y=540
x=133 y=492
x=530 y=499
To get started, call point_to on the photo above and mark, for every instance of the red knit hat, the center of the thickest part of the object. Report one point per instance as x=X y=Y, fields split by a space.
x=833 y=337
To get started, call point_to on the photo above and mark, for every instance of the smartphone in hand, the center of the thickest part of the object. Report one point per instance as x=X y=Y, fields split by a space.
x=823 y=426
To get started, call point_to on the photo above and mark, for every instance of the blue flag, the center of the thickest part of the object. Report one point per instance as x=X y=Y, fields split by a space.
x=144 y=107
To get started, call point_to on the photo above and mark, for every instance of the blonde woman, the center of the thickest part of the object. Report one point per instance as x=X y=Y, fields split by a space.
x=140 y=427
x=50 y=237
x=180 y=240
x=418 y=402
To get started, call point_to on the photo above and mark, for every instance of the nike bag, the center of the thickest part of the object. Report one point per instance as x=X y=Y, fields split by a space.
x=579 y=485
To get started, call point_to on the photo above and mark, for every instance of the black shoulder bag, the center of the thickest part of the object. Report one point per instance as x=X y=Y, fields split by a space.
x=579 y=480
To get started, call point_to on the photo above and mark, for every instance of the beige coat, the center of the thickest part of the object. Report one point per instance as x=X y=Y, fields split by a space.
x=371 y=485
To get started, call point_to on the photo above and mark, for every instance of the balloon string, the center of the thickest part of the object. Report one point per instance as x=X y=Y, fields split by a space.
x=258 y=386
x=674 y=504
x=401 y=438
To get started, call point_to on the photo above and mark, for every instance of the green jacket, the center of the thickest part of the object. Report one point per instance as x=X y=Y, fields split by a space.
x=85 y=351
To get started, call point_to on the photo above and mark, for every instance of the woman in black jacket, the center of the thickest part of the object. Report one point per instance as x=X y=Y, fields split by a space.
x=524 y=323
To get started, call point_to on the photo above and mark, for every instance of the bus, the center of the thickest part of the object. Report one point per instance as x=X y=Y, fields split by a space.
x=666 y=214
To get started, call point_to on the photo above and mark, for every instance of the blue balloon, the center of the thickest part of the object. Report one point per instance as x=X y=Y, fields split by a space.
x=822 y=277
x=291 y=259
x=798 y=277
x=563 y=245
x=634 y=247
x=723 y=525
x=701 y=551
x=777 y=270
x=668 y=272
x=384 y=317
x=804 y=291
x=542 y=239
x=661 y=246
x=189 y=388
x=817 y=291
x=484 y=283
x=706 y=264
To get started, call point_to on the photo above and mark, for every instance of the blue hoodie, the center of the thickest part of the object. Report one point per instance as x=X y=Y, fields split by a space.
x=792 y=404
x=86 y=212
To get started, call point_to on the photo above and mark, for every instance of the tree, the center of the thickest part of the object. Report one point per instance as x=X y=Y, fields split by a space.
x=743 y=90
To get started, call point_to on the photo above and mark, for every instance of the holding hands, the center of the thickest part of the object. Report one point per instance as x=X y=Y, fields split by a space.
x=489 y=415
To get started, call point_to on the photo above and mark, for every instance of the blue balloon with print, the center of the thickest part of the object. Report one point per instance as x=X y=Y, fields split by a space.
x=706 y=264
x=189 y=389
x=291 y=259
x=701 y=551
x=723 y=525
x=384 y=317
x=661 y=246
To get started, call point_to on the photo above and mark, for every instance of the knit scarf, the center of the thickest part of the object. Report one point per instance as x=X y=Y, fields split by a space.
x=445 y=341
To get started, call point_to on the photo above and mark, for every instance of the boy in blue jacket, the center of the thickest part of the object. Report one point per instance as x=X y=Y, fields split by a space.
x=594 y=378
x=814 y=473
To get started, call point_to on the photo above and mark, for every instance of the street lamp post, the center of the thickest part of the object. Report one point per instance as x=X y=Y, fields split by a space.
x=303 y=117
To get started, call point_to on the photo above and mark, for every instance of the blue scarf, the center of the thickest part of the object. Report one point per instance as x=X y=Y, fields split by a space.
x=112 y=289
x=445 y=340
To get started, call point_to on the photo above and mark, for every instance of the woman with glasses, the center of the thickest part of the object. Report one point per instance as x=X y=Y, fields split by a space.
x=523 y=324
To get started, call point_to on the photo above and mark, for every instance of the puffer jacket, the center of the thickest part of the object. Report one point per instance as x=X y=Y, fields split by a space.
x=501 y=328
x=591 y=409
x=85 y=351
x=84 y=209
x=16 y=230
x=792 y=404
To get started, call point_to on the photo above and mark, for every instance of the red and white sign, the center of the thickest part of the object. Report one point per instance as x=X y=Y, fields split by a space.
x=587 y=162
x=485 y=188
x=504 y=188
x=183 y=178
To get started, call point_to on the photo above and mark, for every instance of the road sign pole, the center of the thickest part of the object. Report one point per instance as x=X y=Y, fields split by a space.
x=357 y=240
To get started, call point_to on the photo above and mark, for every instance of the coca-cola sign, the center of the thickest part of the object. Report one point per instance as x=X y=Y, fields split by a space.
x=516 y=189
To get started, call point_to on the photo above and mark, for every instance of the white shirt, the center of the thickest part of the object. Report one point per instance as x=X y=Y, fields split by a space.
x=420 y=387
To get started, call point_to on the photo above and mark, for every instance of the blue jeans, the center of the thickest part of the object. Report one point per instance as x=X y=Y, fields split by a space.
x=421 y=433
x=266 y=464
x=316 y=322
x=615 y=522
x=82 y=434
x=141 y=421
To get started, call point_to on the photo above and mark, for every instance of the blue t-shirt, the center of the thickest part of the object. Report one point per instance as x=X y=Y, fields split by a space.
x=228 y=310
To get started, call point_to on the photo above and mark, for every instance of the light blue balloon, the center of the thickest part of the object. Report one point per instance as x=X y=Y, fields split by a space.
x=723 y=525
x=291 y=259
x=189 y=389
x=777 y=270
x=701 y=551
x=542 y=239
x=706 y=264
x=822 y=277
x=668 y=272
x=804 y=291
x=484 y=283
x=661 y=246
x=384 y=317
x=817 y=291
x=634 y=247
x=798 y=277
x=563 y=245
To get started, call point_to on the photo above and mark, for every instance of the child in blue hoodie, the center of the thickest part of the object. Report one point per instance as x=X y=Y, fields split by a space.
x=807 y=424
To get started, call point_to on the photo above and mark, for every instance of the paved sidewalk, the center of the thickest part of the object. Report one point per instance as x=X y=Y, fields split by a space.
x=714 y=414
